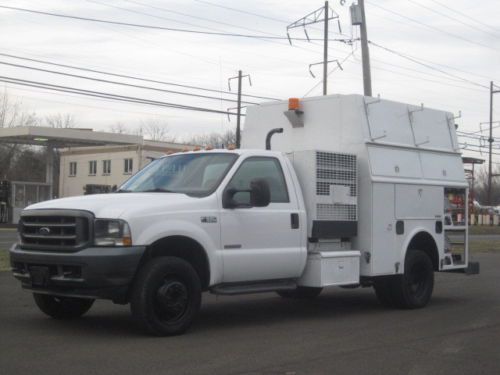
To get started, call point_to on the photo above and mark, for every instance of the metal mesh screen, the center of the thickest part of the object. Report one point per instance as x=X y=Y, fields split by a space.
x=337 y=212
x=334 y=169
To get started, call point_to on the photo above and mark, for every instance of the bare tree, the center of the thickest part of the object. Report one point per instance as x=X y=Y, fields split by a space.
x=119 y=128
x=12 y=114
x=60 y=121
x=155 y=130
x=218 y=140
x=481 y=186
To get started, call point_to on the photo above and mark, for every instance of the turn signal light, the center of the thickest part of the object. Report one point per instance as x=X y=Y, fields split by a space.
x=127 y=241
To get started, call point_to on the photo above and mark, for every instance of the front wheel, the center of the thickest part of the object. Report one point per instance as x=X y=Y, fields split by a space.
x=62 y=307
x=166 y=296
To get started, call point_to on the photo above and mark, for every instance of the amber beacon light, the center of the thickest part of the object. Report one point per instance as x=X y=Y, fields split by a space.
x=293 y=104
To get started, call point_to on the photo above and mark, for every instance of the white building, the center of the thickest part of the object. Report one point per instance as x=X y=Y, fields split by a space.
x=107 y=166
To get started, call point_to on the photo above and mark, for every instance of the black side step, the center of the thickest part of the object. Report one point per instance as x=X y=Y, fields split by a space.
x=255 y=287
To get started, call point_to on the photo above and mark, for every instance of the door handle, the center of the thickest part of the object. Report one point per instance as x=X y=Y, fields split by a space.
x=294 y=218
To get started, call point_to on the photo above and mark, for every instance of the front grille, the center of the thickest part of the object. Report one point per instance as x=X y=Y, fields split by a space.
x=58 y=230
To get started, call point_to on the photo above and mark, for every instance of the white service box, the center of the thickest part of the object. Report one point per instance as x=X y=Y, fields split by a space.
x=331 y=268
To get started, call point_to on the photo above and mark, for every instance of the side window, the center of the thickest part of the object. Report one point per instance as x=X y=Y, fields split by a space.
x=260 y=167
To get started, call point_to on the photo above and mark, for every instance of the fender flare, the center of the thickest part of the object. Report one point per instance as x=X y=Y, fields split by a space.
x=433 y=253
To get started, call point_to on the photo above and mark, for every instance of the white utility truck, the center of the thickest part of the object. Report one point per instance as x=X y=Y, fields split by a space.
x=356 y=191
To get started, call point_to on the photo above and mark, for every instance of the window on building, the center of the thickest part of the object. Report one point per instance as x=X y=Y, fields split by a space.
x=128 y=166
x=92 y=167
x=72 y=168
x=106 y=167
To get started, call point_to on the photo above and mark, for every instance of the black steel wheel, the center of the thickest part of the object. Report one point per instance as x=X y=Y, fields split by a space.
x=414 y=288
x=62 y=307
x=166 y=296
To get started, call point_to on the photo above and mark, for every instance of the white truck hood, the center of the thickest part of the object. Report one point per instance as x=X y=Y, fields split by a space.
x=115 y=205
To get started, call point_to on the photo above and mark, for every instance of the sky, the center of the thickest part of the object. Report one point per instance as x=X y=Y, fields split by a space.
x=441 y=53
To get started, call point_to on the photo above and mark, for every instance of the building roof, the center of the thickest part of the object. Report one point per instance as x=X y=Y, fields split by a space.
x=470 y=160
x=56 y=137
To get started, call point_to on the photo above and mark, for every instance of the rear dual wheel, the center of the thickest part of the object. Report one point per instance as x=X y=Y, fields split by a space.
x=411 y=290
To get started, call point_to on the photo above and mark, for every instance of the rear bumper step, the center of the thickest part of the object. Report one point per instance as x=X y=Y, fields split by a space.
x=473 y=268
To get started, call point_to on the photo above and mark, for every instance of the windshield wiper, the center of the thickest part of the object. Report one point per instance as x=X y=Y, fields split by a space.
x=156 y=190
x=123 y=191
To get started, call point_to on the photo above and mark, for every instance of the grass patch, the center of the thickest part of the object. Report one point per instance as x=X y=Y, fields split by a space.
x=484 y=246
x=4 y=260
x=484 y=229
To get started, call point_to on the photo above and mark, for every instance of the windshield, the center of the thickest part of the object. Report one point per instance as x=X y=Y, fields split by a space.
x=192 y=174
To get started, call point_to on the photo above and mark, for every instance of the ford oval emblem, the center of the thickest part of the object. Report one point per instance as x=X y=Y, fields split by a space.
x=44 y=230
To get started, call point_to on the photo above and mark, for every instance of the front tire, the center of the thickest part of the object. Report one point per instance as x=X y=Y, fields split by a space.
x=166 y=296
x=62 y=307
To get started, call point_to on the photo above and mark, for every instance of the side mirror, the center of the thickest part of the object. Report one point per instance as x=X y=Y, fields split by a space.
x=228 y=198
x=260 y=195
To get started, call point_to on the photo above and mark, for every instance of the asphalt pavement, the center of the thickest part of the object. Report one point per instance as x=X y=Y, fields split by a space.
x=343 y=331
x=7 y=238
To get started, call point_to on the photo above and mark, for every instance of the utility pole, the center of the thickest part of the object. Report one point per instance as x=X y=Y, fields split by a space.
x=490 y=141
x=325 y=51
x=358 y=17
x=323 y=14
x=239 y=77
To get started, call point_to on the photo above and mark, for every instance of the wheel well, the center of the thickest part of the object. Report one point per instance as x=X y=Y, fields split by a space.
x=185 y=248
x=425 y=242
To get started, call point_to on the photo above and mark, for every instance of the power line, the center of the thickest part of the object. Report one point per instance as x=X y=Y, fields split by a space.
x=416 y=61
x=412 y=70
x=130 y=77
x=74 y=96
x=143 y=26
x=249 y=13
x=242 y=11
x=464 y=15
x=99 y=94
x=120 y=83
x=198 y=18
x=465 y=147
x=162 y=9
x=433 y=28
x=451 y=18
x=425 y=79
x=272 y=19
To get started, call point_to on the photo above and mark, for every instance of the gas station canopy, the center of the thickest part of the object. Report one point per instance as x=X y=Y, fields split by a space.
x=469 y=160
x=65 y=137
x=21 y=193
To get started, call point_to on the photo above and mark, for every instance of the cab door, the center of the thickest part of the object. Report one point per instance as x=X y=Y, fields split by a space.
x=261 y=243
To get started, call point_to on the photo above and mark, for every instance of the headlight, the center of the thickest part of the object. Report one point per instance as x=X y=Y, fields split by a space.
x=112 y=233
